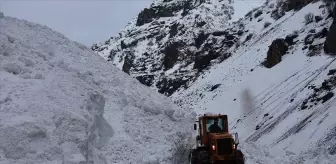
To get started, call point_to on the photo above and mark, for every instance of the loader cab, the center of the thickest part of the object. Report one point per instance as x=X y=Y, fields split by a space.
x=205 y=124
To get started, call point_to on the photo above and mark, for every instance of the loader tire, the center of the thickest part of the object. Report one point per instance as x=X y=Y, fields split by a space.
x=240 y=159
x=193 y=156
x=203 y=157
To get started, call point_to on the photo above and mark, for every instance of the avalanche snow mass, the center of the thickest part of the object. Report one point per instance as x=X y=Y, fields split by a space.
x=62 y=103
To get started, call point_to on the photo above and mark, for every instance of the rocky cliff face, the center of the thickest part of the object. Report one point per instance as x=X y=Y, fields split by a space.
x=170 y=43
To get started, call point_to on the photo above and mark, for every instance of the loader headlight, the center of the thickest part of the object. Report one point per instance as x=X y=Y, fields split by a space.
x=234 y=146
x=213 y=147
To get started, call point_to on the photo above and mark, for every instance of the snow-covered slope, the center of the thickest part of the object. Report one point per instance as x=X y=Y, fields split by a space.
x=62 y=103
x=290 y=106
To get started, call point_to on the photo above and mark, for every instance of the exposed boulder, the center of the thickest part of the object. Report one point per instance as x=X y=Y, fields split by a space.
x=329 y=44
x=275 y=52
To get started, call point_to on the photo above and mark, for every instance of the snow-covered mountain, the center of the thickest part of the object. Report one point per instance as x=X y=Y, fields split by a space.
x=273 y=71
x=167 y=45
x=62 y=103
x=277 y=87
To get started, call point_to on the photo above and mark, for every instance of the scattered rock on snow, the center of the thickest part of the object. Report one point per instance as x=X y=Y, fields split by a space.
x=318 y=19
x=322 y=93
x=215 y=87
x=257 y=127
x=327 y=97
x=258 y=13
x=332 y=71
x=265 y=115
x=309 y=39
x=290 y=39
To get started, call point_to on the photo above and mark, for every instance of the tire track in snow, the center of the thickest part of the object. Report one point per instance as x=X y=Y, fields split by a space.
x=265 y=130
x=305 y=121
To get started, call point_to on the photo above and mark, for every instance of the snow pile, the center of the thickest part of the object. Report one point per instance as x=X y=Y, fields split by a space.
x=62 y=103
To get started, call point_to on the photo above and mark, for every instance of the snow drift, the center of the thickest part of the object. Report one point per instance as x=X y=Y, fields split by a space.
x=62 y=103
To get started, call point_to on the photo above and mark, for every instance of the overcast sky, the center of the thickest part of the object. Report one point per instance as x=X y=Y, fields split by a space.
x=85 y=21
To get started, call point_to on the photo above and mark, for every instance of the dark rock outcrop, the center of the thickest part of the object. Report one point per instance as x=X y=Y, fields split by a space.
x=188 y=40
x=296 y=4
x=318 y=19
x=171 y=55
x=145 y=16
x=169 y=86
x=202 y=62
x=275 y=52
x=154 y=12
x=290 y=39
x=128 y=62
x=200 y=39
x=329 y=44
x=146 y=79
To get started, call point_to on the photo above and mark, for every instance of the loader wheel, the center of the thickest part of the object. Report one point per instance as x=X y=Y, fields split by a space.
x=239 y=157
x=203 y=157
x=193 y=156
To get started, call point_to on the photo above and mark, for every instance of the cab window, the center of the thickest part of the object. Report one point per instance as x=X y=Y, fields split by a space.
x=215 y=125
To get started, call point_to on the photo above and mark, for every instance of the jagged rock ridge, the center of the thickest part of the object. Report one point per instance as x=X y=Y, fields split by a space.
x=172 y=41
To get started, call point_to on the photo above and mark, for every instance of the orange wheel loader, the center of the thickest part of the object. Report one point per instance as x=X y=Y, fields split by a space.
x=214 y=143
